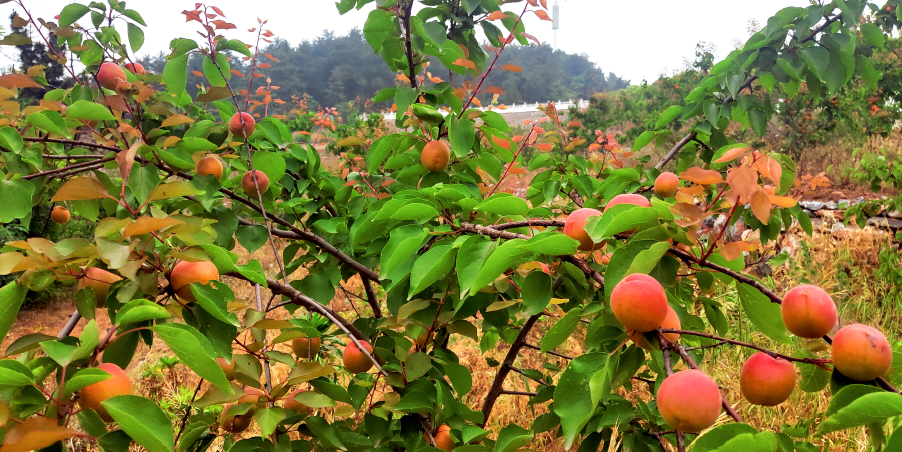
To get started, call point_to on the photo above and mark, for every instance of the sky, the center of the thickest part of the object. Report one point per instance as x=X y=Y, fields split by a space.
x=636 y=41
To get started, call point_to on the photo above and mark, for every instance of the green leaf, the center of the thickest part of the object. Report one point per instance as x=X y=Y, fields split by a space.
x=62 y=353
x=818 y=58
x=552 y=243
x=536 y=292
x=462 y=135
x=865 y=68
x=135 y=37
x=14 y=373
x=271 y=163
x=143 y=421
x=668 y=115
x=503 y=204
x=416 y=365
x=17 y=197
x=87 y=110
x=511 y=438
x=212 y=73
x=646 y=260
x=252 y=237
x=175 y=74
x=749 y=442
x=461 y=377
x=578 y=392
x=718 y=436
x=133 y=15
x=867 y=409
x=10 y=139
x=234 y=44
x=873 y=35
x=72 y=13
x=85 y=377
x=268 y=419
x=379 y=151
x=430 y=267
x=498 y=262
x=762 y=313
x=561 y=330
x=415 y=211
x=642 y=140
x=214 y=299
x=49 y=121
x=194 y=350
x=472 y=254
x=11 y=297
x=619 y=218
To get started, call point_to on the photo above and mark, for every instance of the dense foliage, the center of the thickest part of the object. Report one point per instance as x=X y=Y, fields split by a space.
x=442 y=252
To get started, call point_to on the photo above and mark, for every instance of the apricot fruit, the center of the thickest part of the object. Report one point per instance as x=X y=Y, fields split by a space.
x=99 y=281
x=435 y=156
x=442 y=438
x=575 y=228
x=210 y=165
x=672 y=321
x=59 y=214
x=306 y=348
x=767 y=381
x=291 y=404
x=808 y=311
x=861 y=352
x=135 y=68
x=247 y=183
x=242 y=131
x=228 y=368
x=689 y=401
x=630 y=198
x=185 y=273
x=109 y=75
x=117 y=385
x=667 y=184
x=237 y=423
x=639 y=303
x=355 y=361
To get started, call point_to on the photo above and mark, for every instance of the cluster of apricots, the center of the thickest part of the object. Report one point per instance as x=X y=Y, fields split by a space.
x=241 y=125
x=689 y=400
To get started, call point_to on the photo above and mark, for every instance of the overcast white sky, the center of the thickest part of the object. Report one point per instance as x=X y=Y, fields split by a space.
x=634 y=39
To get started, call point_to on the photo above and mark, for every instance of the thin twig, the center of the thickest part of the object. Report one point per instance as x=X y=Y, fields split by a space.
x=188 y=411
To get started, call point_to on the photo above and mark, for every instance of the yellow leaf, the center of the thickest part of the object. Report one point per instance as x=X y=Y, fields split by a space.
x=173 y=190
x=175 y=120
x=499 y=305
x=558 y=300
x=144 y=225
x=349 y=141
x=729 y=251
x=80 y=189
x=783 y=201
x=465 y=63
x=35 y=433
x=171 y=141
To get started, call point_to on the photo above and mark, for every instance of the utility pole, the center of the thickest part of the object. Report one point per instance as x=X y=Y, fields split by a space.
x=555 y=21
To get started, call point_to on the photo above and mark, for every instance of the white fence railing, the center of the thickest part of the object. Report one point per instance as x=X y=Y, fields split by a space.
x=510 y=109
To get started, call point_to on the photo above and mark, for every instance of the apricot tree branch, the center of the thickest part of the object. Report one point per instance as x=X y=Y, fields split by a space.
x=723 y=340
x=83 y=166
x=310 y=304
x=70 y=325
x=498 y=383
x=371 y=297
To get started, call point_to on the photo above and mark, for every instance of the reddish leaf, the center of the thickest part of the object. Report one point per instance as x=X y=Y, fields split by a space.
x=126 y=159
x=729 y=251
x=465 y=63
x=18 y=81
x=761 y=205
x=744 y=180
x=512 y=68
x=500 y=141
x=218 y=11
x=731 y=155
x=497 y=15
x=233 y=71
x=545 y=146
x=776 y=171
x=542 y=15
x=223 y=25
x=495 y=90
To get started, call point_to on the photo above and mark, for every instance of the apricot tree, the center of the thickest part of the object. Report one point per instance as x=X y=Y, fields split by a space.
x=443 y=251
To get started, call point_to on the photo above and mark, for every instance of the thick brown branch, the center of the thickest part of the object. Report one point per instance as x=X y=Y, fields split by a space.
x=676 y=149
x=506 y=365
x=371 y=297
x=70 y=325
x=83 y=166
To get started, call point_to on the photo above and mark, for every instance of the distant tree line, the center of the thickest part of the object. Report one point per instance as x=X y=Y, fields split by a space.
x=334 y=71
